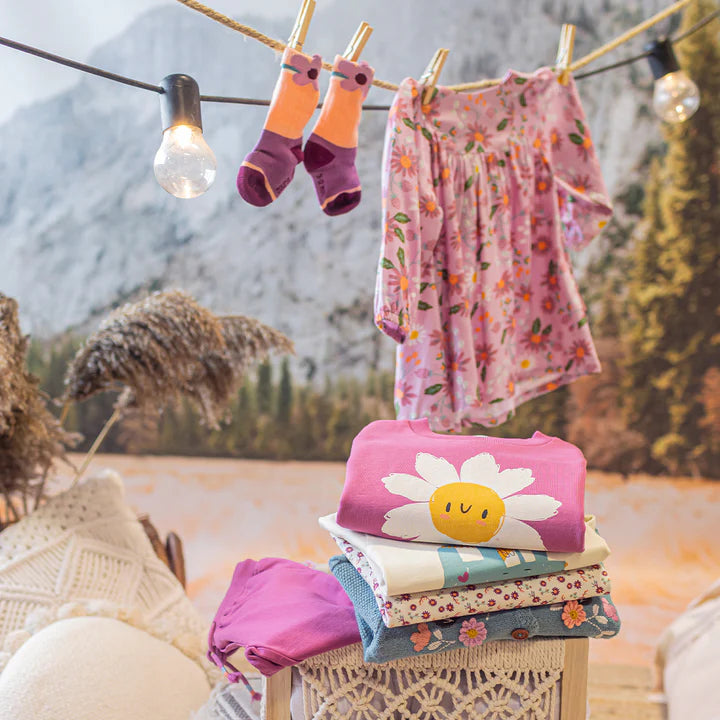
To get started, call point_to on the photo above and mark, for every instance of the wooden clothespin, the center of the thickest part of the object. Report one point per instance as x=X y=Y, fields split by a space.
x=565 y=53
x=358 y=42
x=430 y=77
x=302 y=23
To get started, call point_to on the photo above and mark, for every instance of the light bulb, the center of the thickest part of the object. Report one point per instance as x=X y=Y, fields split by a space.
x=184 y=164
x=675 y=97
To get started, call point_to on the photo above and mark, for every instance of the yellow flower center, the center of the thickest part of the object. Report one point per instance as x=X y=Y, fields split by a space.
x=471 y=633
x=430 y=206
x=467 y=512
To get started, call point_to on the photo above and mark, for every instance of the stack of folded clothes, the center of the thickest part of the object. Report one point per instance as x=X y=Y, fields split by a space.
x=454 y=540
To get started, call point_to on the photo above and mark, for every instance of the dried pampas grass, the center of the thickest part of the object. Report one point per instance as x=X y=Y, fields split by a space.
x=31 y=438
x=167 y=347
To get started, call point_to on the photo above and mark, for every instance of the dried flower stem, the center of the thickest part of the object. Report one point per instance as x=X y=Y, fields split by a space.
x=98 y=440
x=64 y=413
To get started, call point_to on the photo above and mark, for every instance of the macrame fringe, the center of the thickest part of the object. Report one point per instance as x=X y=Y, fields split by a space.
x=506 y=680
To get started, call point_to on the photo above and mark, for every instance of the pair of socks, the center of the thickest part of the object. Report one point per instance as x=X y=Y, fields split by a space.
x=330 y=150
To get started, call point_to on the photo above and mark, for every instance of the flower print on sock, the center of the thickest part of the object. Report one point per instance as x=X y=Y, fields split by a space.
x=305 y=70
x=354 y=76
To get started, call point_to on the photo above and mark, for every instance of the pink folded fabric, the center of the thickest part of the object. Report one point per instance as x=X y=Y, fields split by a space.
x=405 y=482
x=282 y=613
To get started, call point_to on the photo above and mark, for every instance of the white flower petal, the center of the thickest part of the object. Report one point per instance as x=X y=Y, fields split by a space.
x=481 y=469
x=513 y=480
x=412 y=522
x=531 y=507
x=409 y=486
x=437 y=471
x=516 y=534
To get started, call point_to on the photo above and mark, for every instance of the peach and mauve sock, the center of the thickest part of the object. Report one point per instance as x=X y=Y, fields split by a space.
x=270 y=167
x=331 y=148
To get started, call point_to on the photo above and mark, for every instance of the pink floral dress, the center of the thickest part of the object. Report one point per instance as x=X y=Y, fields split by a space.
x=483 y=192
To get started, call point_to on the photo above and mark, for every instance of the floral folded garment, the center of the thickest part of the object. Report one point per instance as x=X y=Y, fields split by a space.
x=402 y=567
x=594 y=617
x=412 y=608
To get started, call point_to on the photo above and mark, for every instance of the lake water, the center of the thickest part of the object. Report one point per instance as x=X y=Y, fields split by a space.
x=664 y=533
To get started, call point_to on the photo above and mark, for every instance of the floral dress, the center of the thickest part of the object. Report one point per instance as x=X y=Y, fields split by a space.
x=483 y=192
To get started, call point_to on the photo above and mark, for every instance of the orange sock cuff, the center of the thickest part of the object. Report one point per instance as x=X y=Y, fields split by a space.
x=342 y=106
x=296 y=94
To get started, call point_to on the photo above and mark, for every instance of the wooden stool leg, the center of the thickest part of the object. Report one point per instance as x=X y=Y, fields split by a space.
x=277 y=690
x=573 y=686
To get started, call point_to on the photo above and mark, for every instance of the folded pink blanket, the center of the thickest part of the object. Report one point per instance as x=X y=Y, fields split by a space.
x=282 y=613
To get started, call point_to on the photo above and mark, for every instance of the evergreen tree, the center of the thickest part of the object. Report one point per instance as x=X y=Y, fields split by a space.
x=673 y=330
x=264 y=387
x=285 y=394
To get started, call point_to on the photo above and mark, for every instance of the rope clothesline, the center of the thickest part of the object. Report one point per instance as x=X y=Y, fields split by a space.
x=276 y=44
x=279 y=46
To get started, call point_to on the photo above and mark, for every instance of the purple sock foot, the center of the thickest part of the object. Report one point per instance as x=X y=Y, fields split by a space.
x=269 y=168
x=333 y=171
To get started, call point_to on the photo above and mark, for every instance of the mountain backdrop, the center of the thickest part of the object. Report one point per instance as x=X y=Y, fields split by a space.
x=84 y=226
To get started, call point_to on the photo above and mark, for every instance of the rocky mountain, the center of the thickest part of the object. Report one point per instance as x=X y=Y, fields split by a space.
x=84 y=225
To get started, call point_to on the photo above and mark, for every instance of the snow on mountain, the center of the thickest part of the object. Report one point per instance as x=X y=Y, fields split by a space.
x=84 y=225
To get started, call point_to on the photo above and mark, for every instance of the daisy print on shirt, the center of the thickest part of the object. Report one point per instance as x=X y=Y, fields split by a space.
x=479 y=505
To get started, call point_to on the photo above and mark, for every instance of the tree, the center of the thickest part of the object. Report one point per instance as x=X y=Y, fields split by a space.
x=285 y=394
x=672 y=324
x=264 y=387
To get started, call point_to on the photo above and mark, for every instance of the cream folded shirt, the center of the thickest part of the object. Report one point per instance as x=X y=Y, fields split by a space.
x=407 y=567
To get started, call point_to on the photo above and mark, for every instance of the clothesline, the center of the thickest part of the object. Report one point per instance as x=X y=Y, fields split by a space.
x=279 y=46
x=132 y=82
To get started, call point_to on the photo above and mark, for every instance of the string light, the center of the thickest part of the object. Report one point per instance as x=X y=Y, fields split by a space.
x=184 y=164
x=676 y=97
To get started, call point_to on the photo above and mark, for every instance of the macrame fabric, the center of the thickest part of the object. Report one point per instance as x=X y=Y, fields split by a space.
x=83 y=546
x=504 y=680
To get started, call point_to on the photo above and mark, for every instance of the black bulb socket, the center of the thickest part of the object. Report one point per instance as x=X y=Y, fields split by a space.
x=180 y=102
x=661 y=58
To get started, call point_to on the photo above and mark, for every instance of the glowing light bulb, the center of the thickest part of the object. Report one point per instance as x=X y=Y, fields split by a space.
x=675 y=97
x=184 y=164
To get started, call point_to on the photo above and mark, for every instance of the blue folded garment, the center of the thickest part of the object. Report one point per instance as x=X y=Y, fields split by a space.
x=595 y=617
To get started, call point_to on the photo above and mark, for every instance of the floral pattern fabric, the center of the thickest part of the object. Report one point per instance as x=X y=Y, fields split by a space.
x=595 y=617
x=413 y=608
x=483 y=193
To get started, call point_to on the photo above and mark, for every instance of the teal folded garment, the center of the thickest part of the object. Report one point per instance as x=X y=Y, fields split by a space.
x=594 y=617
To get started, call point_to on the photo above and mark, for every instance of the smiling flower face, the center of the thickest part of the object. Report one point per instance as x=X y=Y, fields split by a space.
x=467 y=512
x=472 y=507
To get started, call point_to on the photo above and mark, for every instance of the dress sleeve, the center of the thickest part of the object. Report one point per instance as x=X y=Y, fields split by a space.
x=585 y=207
x=411 y=214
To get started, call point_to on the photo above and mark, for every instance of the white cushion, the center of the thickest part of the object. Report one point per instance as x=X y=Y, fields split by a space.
x=89 y=668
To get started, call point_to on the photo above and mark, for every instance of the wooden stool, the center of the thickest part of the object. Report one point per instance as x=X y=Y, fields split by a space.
x=527 y=672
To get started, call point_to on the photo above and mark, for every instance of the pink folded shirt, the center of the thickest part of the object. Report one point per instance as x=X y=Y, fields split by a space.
x=405 y=481
x=282 y=613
